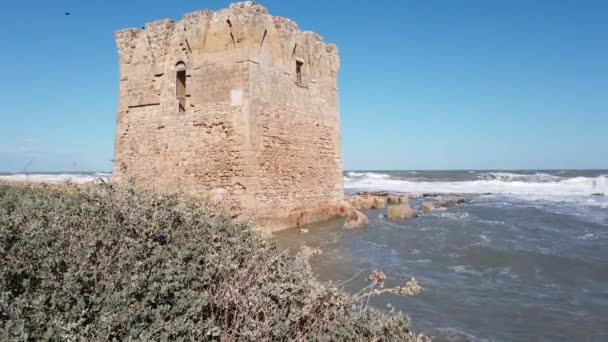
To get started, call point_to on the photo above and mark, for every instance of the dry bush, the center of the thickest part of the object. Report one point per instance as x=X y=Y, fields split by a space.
x=111 y=263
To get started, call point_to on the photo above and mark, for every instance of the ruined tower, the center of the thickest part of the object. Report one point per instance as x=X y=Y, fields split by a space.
x=234 y=102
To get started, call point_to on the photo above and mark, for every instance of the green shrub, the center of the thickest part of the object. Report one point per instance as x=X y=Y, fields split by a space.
x=102 y=262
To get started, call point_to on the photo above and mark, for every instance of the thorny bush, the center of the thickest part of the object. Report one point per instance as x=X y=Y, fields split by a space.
x=101 y=262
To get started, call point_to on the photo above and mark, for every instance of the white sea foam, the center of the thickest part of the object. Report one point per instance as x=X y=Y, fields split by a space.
x=367 y=175
x=515 y=177
x=484 y=239
x=56 y=178
x=541 y=186
x=464 y=270
x=588 y=236
x=452 y=215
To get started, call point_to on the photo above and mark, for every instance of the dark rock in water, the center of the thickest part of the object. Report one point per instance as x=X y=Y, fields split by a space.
x=597 y=194
x=374 y=193
x=449 y=202
x=431 y=195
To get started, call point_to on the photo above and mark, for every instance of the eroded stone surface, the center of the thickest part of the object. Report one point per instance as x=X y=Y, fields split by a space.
x=260 y=119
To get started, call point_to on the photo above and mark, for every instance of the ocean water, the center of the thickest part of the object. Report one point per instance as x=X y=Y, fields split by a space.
x=525 y=260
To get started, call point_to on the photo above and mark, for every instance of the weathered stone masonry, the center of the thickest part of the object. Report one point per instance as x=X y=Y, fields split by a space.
x=257 y=118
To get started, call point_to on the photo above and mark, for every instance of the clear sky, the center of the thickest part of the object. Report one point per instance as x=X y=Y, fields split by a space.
x=423 y=84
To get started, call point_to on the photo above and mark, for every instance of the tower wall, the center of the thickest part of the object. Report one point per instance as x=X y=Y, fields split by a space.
x=253 y=127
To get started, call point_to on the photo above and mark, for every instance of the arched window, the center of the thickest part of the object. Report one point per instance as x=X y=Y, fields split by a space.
x=180 y=88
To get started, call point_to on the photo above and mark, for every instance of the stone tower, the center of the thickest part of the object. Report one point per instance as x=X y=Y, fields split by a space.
x=234 y=102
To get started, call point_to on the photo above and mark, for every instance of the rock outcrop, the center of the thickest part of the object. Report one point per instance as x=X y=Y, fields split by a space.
x=400 y=212
x=427 y=207
x=392 y=199
x=356 y=220
x=367 y=201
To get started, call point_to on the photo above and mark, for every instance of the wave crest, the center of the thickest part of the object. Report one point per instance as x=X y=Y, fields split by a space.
x=514 y=177
x=57 y=178
x=541 y=184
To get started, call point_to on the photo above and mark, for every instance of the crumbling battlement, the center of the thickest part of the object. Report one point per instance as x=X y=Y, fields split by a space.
x=235 y=103
x=243 y=32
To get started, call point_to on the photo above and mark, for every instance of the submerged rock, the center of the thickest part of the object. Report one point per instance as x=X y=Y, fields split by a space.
x=400 y=212
x=356 y=220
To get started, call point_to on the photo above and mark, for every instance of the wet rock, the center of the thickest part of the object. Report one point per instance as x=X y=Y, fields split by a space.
x=392 y=199
x=400 y=212
x=427 y=195
x=449 y=202
x=378 y=202
x=356 y=220
x=427 y=207
x=597 y=194
x=355 y=201
x=366 y=202
x=408 y=197
x=375 y=200
x=375 y=193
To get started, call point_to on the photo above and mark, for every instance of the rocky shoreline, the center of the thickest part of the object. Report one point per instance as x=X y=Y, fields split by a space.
x=398 y=206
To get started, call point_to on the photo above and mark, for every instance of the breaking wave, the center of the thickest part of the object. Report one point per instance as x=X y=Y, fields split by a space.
x=369 y=175
x=489 y=182
x=57 y=177
x=514 y=177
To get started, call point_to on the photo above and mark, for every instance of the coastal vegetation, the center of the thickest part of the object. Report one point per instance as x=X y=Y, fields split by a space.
x=102 y=262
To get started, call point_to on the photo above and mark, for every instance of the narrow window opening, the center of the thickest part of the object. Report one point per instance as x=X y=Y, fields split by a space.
x=299 y=71
x=181 y=87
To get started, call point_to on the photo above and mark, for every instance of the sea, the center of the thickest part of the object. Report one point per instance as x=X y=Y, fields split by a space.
x=525 y=260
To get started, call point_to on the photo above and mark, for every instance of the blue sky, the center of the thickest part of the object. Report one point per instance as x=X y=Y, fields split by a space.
x=423 y=84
